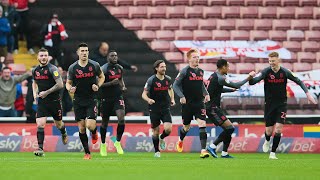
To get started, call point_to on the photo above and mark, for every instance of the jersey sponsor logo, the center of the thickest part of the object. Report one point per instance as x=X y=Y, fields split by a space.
x=275 y=80
x=85 y=75
x=37 y=73
x=90 y=68
x=167 y=83
x=39 y=76
x=112 y=72
x=119 y=71
x=115 y=76
x=158 y=84
x=271 y=76
x=45 y=71
x=79 y=71
x=281 y=75
x=163 y=88
x=55 y=73
x=194 y=77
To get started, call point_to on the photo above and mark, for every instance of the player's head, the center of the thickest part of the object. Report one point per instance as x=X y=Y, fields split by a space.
x=43 y=56
x=83 y=51
x=54 y=17
x=193 y=57
x=113 y=57
x=6 y=73
x=159 y=67
x=5 y=2
x=274 y=59
x=104 y=49
x=223 y=66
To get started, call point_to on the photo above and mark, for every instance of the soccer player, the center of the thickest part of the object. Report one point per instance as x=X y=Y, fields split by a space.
x=46 y=92
x=159 y=94
x=217 y=81
x=275 y=82
x=190 y=88
x=84 y=80
x=112 y=100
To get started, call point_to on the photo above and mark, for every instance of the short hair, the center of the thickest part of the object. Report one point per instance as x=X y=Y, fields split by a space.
x=156 y=64
x=43 y=50
x=221 y=63
x=273 y=54
x=6 y=67
x=191 y=51
x=82 y=45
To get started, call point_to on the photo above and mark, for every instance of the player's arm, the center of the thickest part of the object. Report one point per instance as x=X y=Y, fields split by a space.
x=223 y=81
x=121 y=81
x=69 y=81
x=59 y=83
x=34 y=90
x=171 y=94
x=146 y=91
x=295 y=79
x=101 y=78
x=257 y=79
x=22 y=77
x=177 y=85
x=228 y=90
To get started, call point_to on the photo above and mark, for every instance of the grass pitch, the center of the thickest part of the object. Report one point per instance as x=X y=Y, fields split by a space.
x=71 y=166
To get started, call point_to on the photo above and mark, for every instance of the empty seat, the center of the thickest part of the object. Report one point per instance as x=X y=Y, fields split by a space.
x=119 y=12
x=251 y=103
x=315 y=66
x=249 y=60
x=293 y=46
x=290 y=2
x=239 y=35
x=254 y=2
x=202 y=35
x=231 y=103
x=278 y=35
x=160 y=46
x=170 y=24
x=183 y=35
x=258 y=35
x=260 y=66
x=263 y=24
x=298 y=67
x=220 y=35
x=207 y=24
x=124 y=2
x=179 y=2
x=230 y=12
x=165 y=35
x=142 y=2
x=146 y=35
x=295 y=35
x=308 y=2
x=137 y=12
x=235 y=2
x=249 y=12
x=151 y=24
x=226 y=24
x=287 y=65
x=312 y=35
x=210 y=12
x=193 y=12
x=217 y=2
x=314 y=24
x=306 y=57
x=318 y=57
x=188 y=24
x=244 y=68
x=271 y=2
x=281 y=24
x=175 y=57
x=132 y=24
x=267 y=12
x=107 y=2
x=294 y=58
x=285 y=12
x=292 y=103
x=316 y=12
x=305 y=104
x=310 y=46
x=174 y=11
x=304 y=12
x=156 y=12
x=300 y=24
x=244 y=24
x=208 y=66
x=160 y=2
x=198 y=2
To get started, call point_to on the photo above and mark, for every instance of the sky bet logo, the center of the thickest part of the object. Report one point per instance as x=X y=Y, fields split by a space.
x=10 y=144
x=212 y=131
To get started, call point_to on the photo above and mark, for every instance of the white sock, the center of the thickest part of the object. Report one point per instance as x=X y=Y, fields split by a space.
x=223 y=153
x=272 y=153
x=213 y=146
x=203 y=150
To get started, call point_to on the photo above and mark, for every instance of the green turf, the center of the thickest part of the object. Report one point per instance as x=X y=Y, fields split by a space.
x=71 y=166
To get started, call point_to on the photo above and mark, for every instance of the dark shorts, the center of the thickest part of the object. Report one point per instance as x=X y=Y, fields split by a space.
x=85 y=109
x=108 y=106
x=275 y=113
x=191 y=110
x=216 y=115
x=157 y=116
x=50 y=108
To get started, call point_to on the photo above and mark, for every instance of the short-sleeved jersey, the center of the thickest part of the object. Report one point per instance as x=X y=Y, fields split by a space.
x=83 y=78
x=45 y=77
x=214 y=89
x=275 y=83
x=111 y=72
x=158 y=91
x=192 y=83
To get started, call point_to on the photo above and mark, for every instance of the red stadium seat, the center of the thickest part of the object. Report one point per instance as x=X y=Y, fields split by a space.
x=278 y=35
x=174 y=11
x=300 y=24
x=295 y=35
x=305 y=104
x=161 y=2
x=232 y=68
x=179 y=2
x=208 y=66
x=290 y=2
x=239 y=35
x=244 y=24
x=293 y=46
x=137 y=12
x=267 y=12
x=230 y=12
x=146 y=35
x=209 y=12
x=310 y=46
x=314 y=24
x=188 y=24
x=249 y=60
x=316 y=12
x=174 y=57
x=231 y=103
x=308 y=2
x=298 y=67
x=220 y=35
x=156 y=12
x=173 y=47
x=107 y=2
x=306 y=57
x=119 y=12
x=183 y=35
x=165 y=35
x=170 y=24
x=281 y=24
x=258 y=35
x=249 y=12
x=124 y=2
x=285 y=12
x=312 y=35
x=193 y=11
x=315 y=66
x=161 y=46
x=217 y=2
x=254 y=2
x=260 y=66
x=235 y=2
x=287 y=65
x=142 y=2
x=294 y=58
x=271 y=2
x=132 y=24
x=244 y=68
x=151 y=24
x=251 y=103
x=226 y=24
x=207 y=24
x=263 y=24
x=198 y=2
x=304 y=12
x=202 y=35
x=292 y=103
x=318 y=57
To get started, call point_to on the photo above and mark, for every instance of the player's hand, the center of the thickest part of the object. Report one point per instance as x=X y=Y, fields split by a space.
x=124 y=89
x=206 y=98
x=95 y=87
x=115 y=81
x=183 y=100
x=73 y=89
x=252 y=74
x=173 y=102
x=43 y=94
x=151 y=101
x=311 y=99
x=134 y=68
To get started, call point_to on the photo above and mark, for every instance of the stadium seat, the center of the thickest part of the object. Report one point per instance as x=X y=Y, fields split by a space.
x=315 y=66
x=138 y=12
x=239 y=35
x=300 y=24
x=278 y=35
x=254 y=2
x=232 y=68
x=235 y=2
x=251 y=103
x=170 y=24
x=230 y=12
x=308 y=2
x=119 y=12
x=305 y=104
x=312 y=35
x=271 y=3
x=161 y=46
x=267 y=12
x=258 y=35
x=318 y=57
x=231 y=103
x=287 y=65
x=295 y=35
x=217 y=2
x=293 y=46
x=151 y=24
x=209 y=12
x=156 y=12
x=220 y=35
x=165 y=35
x=183 y=35
x=260 y=66
x=245 y=24
x=193 y=12
x=146 y=35
x=226 y=24
x=292 y=103
x=294 y=58
x=249 y=12
x=298 y=67
x=142 y=2
x=314 y=24
x=244 y=68
x=304 y=12
x=174 y=11
x=179 y=2
x=132 y=24
x=290 y=2
x=306 y=57
x=107 y=2
x=208 y=66
x=124 y=2
x=281 y=24
x=198 y=2
x=161 y=2
x=316 y=12
x=207 y=24
x=202 y=35
x=263 y=24
x=310 y=46
x=249 y=60
x=188 y=24
x=173 y=47
x=285 y=12
x=179 y=66
x=174 y=57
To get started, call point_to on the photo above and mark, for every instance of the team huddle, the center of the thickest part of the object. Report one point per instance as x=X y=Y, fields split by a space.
x=89 y=82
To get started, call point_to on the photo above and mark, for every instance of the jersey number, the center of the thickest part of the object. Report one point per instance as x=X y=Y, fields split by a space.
x=283 y=115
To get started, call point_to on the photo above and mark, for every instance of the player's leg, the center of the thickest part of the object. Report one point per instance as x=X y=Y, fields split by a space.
x=155 y=123
x=269 y=116
x=56 y=113
x=104 y=126
x=280 y=120
x=167 y=125
x=200 y=115
x=228 y=130
x=120 y=129
x=91 y=114
x=187 y=116
x=84 y=138
x=217 y=120
x=41 y=122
